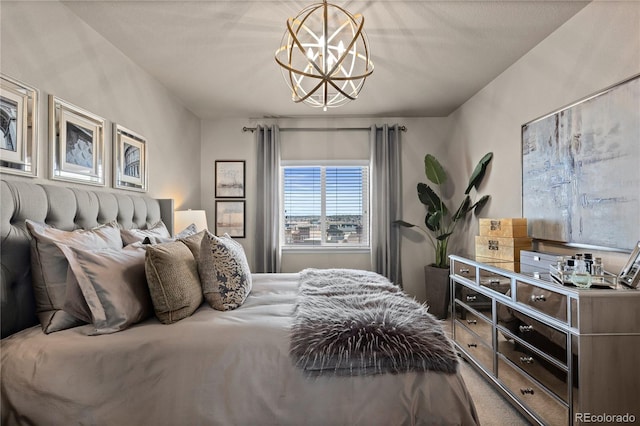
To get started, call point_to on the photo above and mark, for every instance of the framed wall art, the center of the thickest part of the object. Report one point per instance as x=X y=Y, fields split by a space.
x=76 y=140
x=230 y=218
x=230 y=177
x=580 y=174
x=129 y=159
x=630 y=274
x=18 y=127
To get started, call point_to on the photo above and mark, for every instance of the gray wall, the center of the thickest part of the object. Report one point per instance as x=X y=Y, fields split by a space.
x=45 y=45
x=224 y=140
x=598 y=47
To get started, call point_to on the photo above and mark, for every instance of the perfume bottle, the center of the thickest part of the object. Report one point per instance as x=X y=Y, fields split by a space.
x=580 y=277
x=588 y=260
x=597 y=266
x=569 y=265
x=597 y=272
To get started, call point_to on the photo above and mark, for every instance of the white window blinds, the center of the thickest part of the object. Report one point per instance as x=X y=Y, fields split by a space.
x=325 y=205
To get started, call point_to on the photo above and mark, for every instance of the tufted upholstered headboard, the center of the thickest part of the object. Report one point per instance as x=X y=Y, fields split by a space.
x=63 y=208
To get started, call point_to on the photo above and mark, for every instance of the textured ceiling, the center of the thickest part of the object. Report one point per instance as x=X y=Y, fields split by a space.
x=429 y=56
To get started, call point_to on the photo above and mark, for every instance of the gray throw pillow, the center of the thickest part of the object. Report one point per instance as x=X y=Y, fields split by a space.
x=157 y=231
x=224 y=272
x=49 y=267
x=172 y=277
x=74 y=302
x=193 y=242
x=113 y=284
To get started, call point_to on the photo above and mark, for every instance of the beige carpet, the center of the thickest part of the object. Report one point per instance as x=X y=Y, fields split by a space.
x=493 y=409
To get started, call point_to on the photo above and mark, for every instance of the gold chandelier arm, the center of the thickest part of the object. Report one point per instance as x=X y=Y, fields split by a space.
x=353 y=41
x=295 y=71
x=294 y=36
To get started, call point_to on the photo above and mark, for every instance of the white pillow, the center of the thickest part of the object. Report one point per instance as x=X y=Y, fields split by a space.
x=49 y=267
x=130 y=236
x=113 y=284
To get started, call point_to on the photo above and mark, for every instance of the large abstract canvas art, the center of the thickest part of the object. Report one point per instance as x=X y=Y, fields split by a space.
x=581 y=170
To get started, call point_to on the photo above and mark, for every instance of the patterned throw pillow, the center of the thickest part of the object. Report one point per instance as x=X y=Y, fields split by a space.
x=224 y=272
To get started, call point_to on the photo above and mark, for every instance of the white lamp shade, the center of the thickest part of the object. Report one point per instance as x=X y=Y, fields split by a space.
x=184 y=218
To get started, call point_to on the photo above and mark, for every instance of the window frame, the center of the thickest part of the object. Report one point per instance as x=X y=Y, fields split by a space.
x=325 y=246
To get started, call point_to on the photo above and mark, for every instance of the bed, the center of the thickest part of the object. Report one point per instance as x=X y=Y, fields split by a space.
x=223 y=367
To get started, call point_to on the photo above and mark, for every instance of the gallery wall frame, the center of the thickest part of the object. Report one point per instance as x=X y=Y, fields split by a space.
x=230 y=218
x=18 y=127
x=230 y=178
x=580 y=174
x=130 y=159
x=76 y=143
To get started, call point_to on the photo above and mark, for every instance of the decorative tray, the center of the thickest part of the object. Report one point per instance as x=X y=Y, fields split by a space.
x=607 y=280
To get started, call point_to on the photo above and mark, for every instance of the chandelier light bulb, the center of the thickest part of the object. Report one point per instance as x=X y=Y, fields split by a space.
x=324 y=56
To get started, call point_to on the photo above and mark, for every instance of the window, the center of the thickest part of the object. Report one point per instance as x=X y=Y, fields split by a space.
x=325 y=205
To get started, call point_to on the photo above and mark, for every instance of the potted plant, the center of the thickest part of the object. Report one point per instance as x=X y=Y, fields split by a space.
x=440 y=222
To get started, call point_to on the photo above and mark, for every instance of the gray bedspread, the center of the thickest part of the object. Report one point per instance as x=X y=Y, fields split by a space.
x=213 y=368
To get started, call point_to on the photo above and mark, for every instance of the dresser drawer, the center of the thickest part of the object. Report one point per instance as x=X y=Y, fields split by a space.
x=473 y=346
x=546 y=301
x=464 y=270
x=543 y=337
x=549 y=409
x=471 y=297
x=495 y=282
x=552 y=376
x=478 y=323
x=502 y=264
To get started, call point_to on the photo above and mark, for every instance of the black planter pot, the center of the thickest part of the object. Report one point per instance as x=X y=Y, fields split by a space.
x=436 y=281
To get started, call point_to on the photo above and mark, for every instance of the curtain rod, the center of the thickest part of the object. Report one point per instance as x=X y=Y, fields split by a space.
x=319 y=129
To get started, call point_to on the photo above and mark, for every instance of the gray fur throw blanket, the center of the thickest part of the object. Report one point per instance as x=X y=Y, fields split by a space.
x=352 y=322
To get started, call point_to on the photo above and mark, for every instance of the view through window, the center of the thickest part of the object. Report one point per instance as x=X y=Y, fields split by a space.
x=326 y=205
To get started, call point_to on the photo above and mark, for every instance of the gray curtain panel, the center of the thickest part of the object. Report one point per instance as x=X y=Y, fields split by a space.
x=268 y=200
x=386 y=201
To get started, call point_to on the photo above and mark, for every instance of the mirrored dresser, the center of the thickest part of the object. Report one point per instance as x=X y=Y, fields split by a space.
x=562 y=355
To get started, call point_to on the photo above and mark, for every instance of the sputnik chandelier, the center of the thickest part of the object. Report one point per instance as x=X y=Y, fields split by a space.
x=324 y=56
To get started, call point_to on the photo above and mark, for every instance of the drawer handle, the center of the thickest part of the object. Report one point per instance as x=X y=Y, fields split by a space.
x=527 y=391
x=494 y=281
x=538 y=298
x=536 y=258
x=525 y=328
x=464 y=270
x=471 y=298
x=526 y=359
x=472 y=345
x=472 y=321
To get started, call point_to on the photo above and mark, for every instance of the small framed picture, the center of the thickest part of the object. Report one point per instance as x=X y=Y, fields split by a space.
x=230 y=176
x=129 y=159
x=76 y=141
x=230 y=218
x=18 y=127
x=630 y=274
